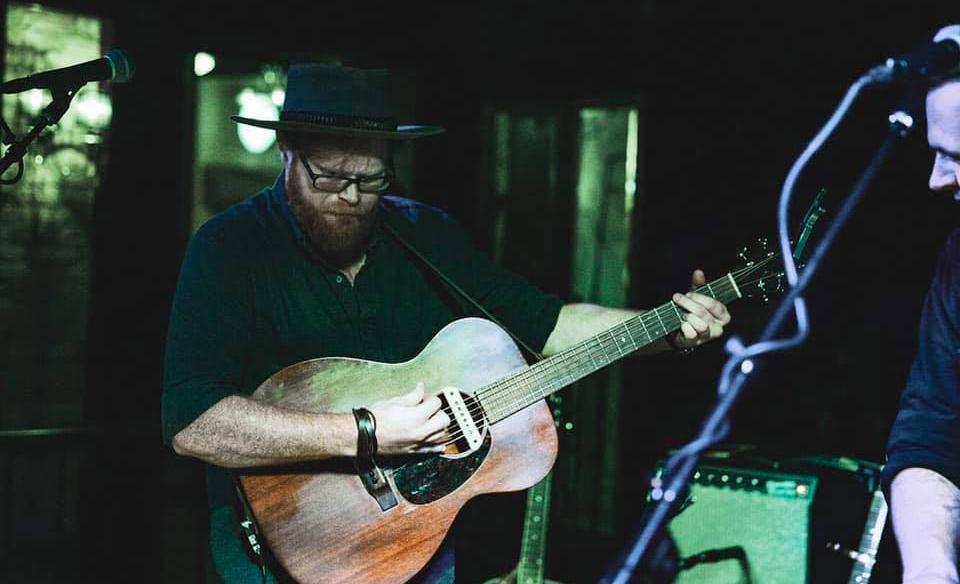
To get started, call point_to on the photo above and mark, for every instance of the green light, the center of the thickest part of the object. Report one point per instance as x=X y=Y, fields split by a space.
x=32 y=101
x=94 y=109
x=630 y=185
x=203 y=63
x=259 y=106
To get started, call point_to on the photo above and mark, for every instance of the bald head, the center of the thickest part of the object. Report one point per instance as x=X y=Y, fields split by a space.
x=943 y=135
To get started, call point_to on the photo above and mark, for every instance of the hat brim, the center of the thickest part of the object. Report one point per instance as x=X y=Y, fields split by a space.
x=402 y=132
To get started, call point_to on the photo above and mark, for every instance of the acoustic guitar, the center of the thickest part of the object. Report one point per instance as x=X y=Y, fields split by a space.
x=326 y=522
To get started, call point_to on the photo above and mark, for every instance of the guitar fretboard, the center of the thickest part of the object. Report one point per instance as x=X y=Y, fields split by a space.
x=514 y=393
x=870 y=540
x=533 y=548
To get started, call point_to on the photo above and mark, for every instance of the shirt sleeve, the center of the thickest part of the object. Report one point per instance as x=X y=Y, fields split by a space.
x=208 y=336
x=926 y=432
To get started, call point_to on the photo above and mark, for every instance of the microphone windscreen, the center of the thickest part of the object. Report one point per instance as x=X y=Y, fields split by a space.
x=122 y=64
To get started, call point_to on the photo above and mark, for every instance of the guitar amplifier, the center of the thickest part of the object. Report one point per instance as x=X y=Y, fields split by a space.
x=745 y=526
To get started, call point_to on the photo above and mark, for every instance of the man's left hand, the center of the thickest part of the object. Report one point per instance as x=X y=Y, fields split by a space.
x=705 y=316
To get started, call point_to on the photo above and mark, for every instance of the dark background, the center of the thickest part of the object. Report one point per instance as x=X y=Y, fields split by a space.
x=732 y=93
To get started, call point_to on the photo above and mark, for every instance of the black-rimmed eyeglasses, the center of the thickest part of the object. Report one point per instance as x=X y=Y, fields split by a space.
x=336 y=183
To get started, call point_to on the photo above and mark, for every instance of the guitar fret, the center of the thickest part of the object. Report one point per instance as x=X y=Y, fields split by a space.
x=592 y=360
x=573 y=369
x=564 y=365
x=662 y=326
x=613 y=337
x=501 y=388
x=733 y=283
x=599 y=346
x=644 y=325
x=632 y=340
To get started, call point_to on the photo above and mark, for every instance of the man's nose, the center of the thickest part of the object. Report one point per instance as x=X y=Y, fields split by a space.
x=350 y=194
x=944 y=175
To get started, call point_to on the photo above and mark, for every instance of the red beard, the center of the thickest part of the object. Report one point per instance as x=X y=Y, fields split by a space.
x=338 y=240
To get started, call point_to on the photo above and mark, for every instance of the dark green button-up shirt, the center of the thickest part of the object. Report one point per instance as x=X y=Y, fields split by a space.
x=250 y=301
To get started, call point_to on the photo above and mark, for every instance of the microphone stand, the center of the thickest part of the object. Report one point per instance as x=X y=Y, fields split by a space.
x=48 y=117
x=646 y=546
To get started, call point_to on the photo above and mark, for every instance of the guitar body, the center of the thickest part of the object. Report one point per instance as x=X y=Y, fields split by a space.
x=319 y=520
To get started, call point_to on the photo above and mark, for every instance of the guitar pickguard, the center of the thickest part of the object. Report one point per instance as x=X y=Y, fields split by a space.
x=427 y=480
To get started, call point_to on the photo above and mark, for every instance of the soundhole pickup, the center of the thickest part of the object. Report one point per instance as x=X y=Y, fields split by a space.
x=467 y=426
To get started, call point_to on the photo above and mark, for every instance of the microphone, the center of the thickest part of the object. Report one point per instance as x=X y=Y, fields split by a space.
x=939 y=58
x=116 y=66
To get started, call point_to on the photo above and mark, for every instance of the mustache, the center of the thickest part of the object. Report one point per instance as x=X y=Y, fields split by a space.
x=336 y=235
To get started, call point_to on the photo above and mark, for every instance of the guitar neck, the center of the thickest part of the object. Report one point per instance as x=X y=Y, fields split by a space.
x=516 y=392
x=530 y=568
x=870 y=540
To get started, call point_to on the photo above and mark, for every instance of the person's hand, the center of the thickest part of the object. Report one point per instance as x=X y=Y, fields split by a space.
x=704 y=319
x=410 y=424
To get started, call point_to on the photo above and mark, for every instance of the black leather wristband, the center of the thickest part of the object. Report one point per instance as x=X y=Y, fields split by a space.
x=366 y=434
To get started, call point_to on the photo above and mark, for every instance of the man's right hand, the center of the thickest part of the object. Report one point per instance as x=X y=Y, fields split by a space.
x=410 y=424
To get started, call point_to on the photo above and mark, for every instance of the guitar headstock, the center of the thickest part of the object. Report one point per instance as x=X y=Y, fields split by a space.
x=761 y=275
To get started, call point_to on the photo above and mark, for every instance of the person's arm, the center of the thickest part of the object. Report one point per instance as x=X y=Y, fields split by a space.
x=923 y=452
x=241 y=432
x=703 y=322
x=925 y=509
x=211 y=337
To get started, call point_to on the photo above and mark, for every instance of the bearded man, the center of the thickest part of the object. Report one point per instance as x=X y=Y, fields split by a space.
x=312 y=267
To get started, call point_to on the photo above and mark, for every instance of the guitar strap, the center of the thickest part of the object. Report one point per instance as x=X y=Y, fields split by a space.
x=247 y=523
x=451 y=285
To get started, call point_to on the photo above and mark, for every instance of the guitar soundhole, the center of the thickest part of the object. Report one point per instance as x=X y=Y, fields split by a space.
x=433 y=477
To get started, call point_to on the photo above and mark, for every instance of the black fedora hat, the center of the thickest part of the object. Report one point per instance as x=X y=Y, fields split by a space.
x=331 y=99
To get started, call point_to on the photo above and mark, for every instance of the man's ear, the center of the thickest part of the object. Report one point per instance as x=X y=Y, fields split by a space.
x=284 y=142
x=286 y=153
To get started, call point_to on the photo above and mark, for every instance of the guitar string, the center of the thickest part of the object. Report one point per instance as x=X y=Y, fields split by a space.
x=592 y=354
x=521 y=398
x=566 y=373
x=591 y=349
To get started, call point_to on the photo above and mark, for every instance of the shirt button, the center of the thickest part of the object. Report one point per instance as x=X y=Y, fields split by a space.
x=339 y=279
